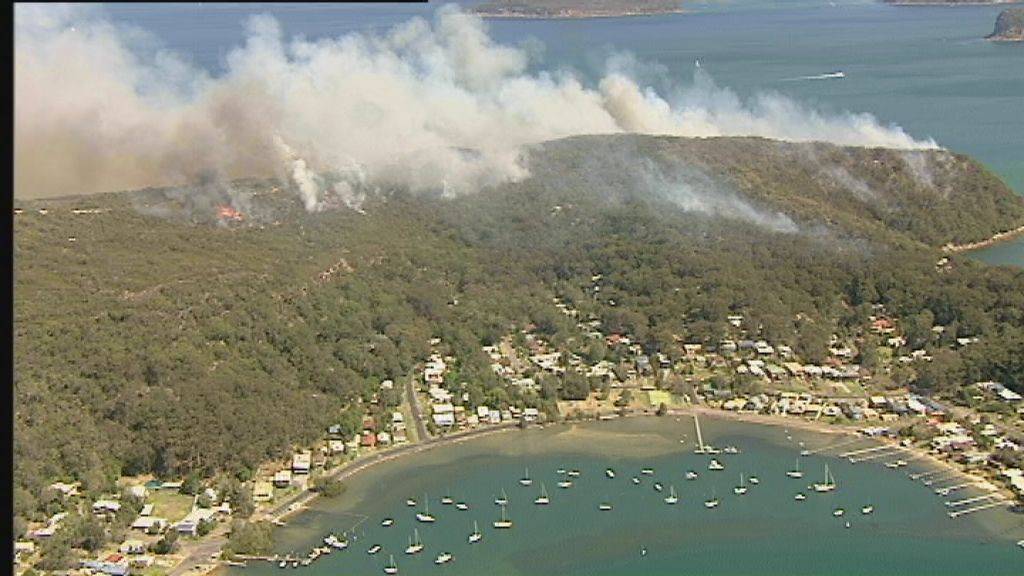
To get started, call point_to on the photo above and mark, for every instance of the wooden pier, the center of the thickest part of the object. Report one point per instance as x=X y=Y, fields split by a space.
x=879 y=454
x=835 y=446
x=920 y=475
x=966 y=501
x=945 y=491
x=866 y=450
x=1000 y=502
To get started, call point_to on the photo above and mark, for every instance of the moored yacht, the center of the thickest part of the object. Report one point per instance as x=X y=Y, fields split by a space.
x=609 y=473
x=461 y=506
x=443 y=558
x=425 y=515
x=828 y=485
x=526 y=480
x=755 y=480
x=410 y=502
x=795 y=473
x=504 y=522
x=838 y=512
x=658 y=487
x=713 y=501
x=447 y=499
x=373 y=549
x=573 y=473
x=742 y=488
x=691 y=475
x=415 y=546
x=715 y=465
x=391 y=567
x=867 y=509
x=800 y=496
x=503 y=499
x=476 y=536
x=605 y=506
x=647 y=471
x=565 y=483
x=671 y=498
x=636 y=480
x=543 y=498
x=387 y=522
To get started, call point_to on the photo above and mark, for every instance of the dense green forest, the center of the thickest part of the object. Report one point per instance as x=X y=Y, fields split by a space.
x=149 y=338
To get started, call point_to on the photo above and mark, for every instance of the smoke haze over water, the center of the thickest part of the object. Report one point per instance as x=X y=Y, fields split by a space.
x=428 y=105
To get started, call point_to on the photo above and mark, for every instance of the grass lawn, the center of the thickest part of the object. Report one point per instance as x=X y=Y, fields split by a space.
x=657 y=397
x=170 y=505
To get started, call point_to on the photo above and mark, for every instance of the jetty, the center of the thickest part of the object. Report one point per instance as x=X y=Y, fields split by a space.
x=919 y=475
x=877 y=454
x=966 y=501
x=1000 y=501
x=846 y=442
x=945 y=491
x=853 y=453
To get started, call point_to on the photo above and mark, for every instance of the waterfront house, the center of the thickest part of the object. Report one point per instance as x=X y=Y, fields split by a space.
x=301 y=462
x=149 y=524
x=262 y=491
x=106 y=507
x=283 y=478
x=132 y=547
x=66 y=490
x=113 y=565
x=190 y=523
x=368 y=440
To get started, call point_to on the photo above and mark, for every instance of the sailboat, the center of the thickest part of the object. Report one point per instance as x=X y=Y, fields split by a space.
x=526 y=480
x=715 y=465
x=742 y=488
x=476 y=536
x=795 y=473
x=713 y=501
x=543 y=498
x=867 y=509
x=671 y=498
x=829 y=484
x=503 y=500
x=415 y=546
x=565 y=483
x=447 y=498
x=504 y=522
x=410 y=502
x=425 y=516
x=838 y=512
x=691 y=475
x=391 y=568
x=755 y=480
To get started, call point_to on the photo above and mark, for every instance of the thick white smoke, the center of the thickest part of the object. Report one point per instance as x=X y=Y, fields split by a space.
x=426 y=105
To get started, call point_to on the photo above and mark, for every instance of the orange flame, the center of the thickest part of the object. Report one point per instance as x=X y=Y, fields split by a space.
x=229 y=213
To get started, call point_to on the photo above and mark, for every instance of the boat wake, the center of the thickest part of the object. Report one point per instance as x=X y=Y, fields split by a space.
x=829 y=76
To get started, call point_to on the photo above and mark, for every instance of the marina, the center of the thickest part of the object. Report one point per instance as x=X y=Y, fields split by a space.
x=612 y=501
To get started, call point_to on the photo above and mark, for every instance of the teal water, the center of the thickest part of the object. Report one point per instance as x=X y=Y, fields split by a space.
x=763 y=532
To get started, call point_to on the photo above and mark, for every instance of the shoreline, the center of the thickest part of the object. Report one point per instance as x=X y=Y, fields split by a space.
x=572 y=16
x=297 y=504
x=998 y=238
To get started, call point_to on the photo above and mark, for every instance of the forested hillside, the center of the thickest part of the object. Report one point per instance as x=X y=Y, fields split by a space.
x=151 y=336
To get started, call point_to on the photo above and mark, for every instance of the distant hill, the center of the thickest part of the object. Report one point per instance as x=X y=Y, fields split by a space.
x=947 y=2
x=157 y=332
x=575 y=8
x=1009 y=26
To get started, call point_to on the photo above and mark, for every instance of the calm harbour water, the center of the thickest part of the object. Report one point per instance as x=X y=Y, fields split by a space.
x=926 y=69
x=763 y=532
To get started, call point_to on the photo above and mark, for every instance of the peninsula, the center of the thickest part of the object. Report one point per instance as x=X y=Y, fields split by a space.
x=1009 y=26
x=568 y=9
x=948 y=2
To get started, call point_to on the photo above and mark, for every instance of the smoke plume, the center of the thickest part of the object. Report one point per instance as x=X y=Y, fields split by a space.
x=427 y=105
